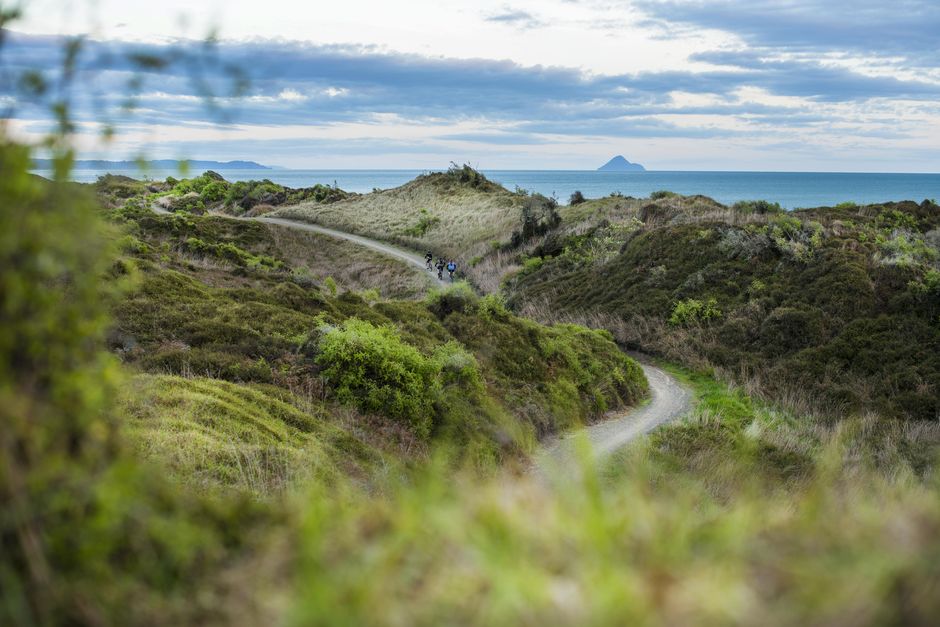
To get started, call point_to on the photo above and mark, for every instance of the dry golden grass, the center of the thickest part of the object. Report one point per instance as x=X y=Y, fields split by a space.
x=352 y=267
x=464 y=220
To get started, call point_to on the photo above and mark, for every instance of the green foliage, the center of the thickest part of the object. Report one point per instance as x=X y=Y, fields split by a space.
x=492 y=307
x=425 y=223
x=663 y=193
x=231 y=252
x=539 y=215
x=330 y=285
x=823 y=303
x=576 y=198
x=759 y=207
x=694 y=311
x=466 y=175
x=457 y=296
x=374 y=369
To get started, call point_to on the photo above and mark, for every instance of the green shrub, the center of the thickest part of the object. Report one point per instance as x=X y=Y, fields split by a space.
x=757 y=206
x=576 y=198
x=456 y=297
x=693 y=311
x=662 y=193
x=493 y=307
x=370 y=366
x=425 y=223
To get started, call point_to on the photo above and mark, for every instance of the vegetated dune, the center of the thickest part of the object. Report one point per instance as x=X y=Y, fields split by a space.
x=222 y=300
x=831 y=307
x=440 y=212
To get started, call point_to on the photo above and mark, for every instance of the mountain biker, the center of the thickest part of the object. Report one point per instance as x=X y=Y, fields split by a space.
x=440 y=269
x=451 y=268
x=427 y=259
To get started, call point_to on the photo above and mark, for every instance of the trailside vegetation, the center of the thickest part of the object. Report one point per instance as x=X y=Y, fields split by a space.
x=117 y=485
x=837 y=305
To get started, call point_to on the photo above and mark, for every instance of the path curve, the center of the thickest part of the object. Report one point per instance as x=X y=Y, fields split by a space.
x=386 y=249
x=380 y=247
x=669 y=400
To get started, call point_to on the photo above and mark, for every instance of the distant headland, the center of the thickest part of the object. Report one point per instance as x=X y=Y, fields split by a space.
x=619 y=164
x=157 y=164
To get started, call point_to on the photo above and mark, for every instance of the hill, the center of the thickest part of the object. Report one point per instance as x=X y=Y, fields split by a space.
x=222 y=300
x=836 y=307
x=458 y=213
x=619 y=164
x=158 y=164
x=193 y=432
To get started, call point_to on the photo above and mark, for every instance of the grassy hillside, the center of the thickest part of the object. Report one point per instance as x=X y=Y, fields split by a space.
x=743 y=514
x=458 y=213
x=259 y=439
x=837 y=307
x=219 y=298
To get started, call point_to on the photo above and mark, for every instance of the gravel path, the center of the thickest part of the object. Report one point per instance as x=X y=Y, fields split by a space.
x=386 y=249
x=670 y=400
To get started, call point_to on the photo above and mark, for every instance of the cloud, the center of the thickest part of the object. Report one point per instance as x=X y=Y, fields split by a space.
x=742 y=93
x=902 y=29
x=514 y=17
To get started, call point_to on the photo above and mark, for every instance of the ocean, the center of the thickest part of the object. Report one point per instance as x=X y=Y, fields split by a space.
x=790 y=189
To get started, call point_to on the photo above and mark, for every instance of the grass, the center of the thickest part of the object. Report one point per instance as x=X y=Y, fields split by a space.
x=214 y=434
x=353 y=267
x=742 y=513
x=436 y=212
x=204 y=311
x=709 y=521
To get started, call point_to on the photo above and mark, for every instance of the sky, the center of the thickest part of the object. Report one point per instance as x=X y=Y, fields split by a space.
x=783 y=85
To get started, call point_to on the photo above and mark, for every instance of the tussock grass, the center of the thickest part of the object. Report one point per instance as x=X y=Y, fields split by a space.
x=433 y=212
x=213 y=433
x=353 y=267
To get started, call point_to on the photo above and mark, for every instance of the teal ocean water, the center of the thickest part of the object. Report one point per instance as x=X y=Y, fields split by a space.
x=790 y=189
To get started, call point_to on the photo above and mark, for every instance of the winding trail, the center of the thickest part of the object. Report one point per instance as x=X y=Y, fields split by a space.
x=386 y=249
x=669 y=398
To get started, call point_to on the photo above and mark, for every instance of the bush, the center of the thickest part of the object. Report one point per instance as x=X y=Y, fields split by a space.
x=457 y=297
x=663 y=193
x=576 y=198
x=757 y=206
x=694 y=311
x=374 y=369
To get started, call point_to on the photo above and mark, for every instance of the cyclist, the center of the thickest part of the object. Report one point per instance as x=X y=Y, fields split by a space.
x=451 y=268
x=427 y=259
x=440 y=269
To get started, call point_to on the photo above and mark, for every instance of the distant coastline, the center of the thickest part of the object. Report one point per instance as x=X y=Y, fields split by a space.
x=157 y=164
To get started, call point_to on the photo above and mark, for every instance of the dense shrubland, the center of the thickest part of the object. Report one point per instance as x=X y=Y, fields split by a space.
x=839 y=303
x=210 y=191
